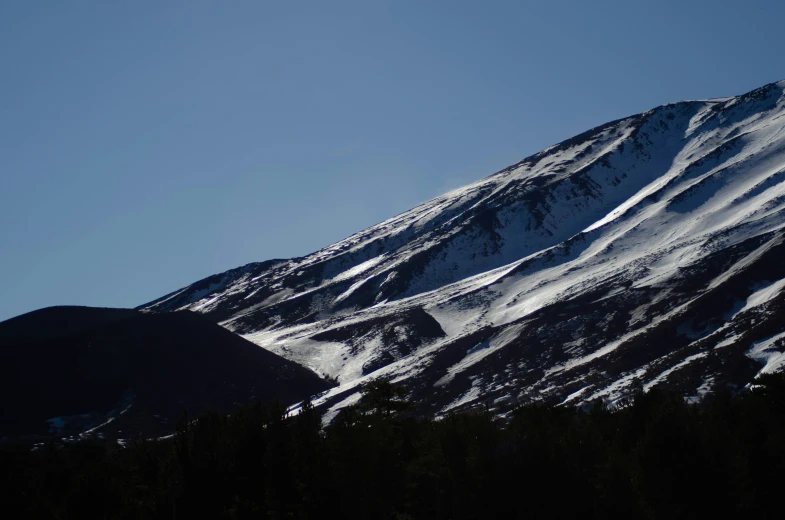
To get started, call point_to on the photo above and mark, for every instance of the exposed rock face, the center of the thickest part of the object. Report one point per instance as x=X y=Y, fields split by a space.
x=648 y=250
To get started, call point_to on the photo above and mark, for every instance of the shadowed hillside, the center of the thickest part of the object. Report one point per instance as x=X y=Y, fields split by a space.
x=119 y=373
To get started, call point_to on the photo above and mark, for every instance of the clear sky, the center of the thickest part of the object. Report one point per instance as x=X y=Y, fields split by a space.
x=147 y=144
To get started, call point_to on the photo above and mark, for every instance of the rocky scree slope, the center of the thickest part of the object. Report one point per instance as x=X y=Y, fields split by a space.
x=646 y=251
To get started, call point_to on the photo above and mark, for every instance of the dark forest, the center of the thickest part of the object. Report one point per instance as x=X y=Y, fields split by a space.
x=653 y=456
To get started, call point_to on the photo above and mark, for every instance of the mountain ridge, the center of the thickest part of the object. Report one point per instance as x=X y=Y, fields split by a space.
x=648 y=212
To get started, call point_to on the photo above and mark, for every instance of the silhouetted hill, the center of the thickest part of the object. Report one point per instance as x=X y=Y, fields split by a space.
x=54 y=322
x=119 y=373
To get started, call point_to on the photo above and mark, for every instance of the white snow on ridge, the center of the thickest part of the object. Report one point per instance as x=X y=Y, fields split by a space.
x=358 y=269
x=763 y=295
x=769 y=352
x=479 y=352
x=664 y=376
x=626 y=210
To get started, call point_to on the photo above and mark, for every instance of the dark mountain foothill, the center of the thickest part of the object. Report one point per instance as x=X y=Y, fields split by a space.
x=85 y=372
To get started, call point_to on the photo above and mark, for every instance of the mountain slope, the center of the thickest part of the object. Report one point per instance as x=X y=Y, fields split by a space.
x=647 y=250
x=121 y=373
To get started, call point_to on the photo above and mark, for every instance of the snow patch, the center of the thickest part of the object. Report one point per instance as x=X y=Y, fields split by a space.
x=769 y=352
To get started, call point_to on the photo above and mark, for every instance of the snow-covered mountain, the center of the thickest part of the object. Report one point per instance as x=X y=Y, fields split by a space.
x=647 y=250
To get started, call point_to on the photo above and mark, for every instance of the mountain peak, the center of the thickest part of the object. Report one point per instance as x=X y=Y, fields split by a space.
x=613 y=260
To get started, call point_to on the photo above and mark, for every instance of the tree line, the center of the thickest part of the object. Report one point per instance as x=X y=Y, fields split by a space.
x=654 y=456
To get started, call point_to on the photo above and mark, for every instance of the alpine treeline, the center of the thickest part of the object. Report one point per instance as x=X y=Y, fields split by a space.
x=652 y=457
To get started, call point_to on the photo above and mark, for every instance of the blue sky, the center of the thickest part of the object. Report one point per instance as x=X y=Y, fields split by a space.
x=145 y=145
